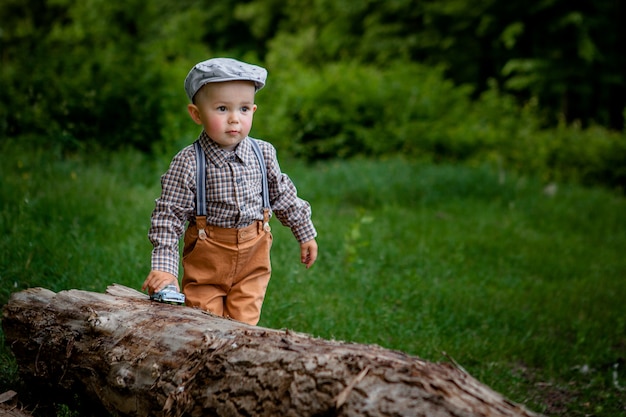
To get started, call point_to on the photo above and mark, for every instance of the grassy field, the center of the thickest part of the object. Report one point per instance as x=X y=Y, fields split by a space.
x=523 y=286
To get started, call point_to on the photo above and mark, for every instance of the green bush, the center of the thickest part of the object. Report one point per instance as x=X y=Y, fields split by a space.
x=73 y=71
x=111 y=73
x=346 y=109
x=108 y=72
x=592 y=156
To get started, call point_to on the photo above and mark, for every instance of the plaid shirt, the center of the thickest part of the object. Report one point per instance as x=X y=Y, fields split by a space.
x=234 y=185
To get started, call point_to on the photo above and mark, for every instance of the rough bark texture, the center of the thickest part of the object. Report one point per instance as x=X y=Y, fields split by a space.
x=141 y=358
x=7 y=411
x=9 y=406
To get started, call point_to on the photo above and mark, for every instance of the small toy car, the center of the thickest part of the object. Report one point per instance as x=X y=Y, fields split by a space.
x=169 y=295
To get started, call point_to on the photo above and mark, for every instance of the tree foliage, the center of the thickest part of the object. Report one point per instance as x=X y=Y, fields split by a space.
x=421 y=77
x=566 y=54
x=93 y=69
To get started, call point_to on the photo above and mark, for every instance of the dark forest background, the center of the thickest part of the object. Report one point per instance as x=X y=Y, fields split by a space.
x=536 y=87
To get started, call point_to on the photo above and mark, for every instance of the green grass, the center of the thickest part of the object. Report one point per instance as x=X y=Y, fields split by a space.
x=525 y=290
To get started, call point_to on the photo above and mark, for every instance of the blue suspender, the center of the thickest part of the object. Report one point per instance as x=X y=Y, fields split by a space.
x=259 y=156
x=200 y=180
x=201 y=177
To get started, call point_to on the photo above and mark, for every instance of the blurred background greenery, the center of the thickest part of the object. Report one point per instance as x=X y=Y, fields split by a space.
x=535 y=88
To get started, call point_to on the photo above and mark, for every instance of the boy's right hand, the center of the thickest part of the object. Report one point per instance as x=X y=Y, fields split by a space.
x=157 y=280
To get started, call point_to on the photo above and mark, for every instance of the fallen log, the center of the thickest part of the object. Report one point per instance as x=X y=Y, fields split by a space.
x=141 y=358
x=6 y=411
x=9 y=406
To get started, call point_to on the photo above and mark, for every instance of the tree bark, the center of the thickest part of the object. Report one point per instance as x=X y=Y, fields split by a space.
x=9 y=407
x=6 y=411
x=141 y=358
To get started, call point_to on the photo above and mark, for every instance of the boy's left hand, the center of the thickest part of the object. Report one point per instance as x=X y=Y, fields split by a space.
x=308 y=252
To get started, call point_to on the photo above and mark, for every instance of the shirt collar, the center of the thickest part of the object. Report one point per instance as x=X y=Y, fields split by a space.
x=218 y=157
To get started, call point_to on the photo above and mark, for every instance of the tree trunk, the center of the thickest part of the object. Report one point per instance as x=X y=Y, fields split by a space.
x=141 y=358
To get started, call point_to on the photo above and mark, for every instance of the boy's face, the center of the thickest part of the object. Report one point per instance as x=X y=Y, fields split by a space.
x=225 y=110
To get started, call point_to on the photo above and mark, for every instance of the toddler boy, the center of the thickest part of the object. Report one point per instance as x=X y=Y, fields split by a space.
x=226 y=253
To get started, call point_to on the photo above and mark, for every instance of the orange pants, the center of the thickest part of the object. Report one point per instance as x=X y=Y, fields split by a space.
x=226 y=271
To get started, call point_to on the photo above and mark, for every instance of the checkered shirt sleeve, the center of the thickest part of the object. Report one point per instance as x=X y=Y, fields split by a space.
x=288 y=208
x=172 y=210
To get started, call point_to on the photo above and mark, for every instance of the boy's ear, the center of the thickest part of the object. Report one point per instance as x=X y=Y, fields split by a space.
x=194 y=112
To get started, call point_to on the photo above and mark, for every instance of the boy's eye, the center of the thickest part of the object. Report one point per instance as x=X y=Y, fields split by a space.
x=222 y=108
x=245 y=109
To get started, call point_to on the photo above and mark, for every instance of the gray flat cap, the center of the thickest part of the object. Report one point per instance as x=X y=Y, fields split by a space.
x=223 y=69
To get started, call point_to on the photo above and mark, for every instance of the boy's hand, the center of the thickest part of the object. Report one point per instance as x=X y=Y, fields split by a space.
x=308 y=252
x=157 y=280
